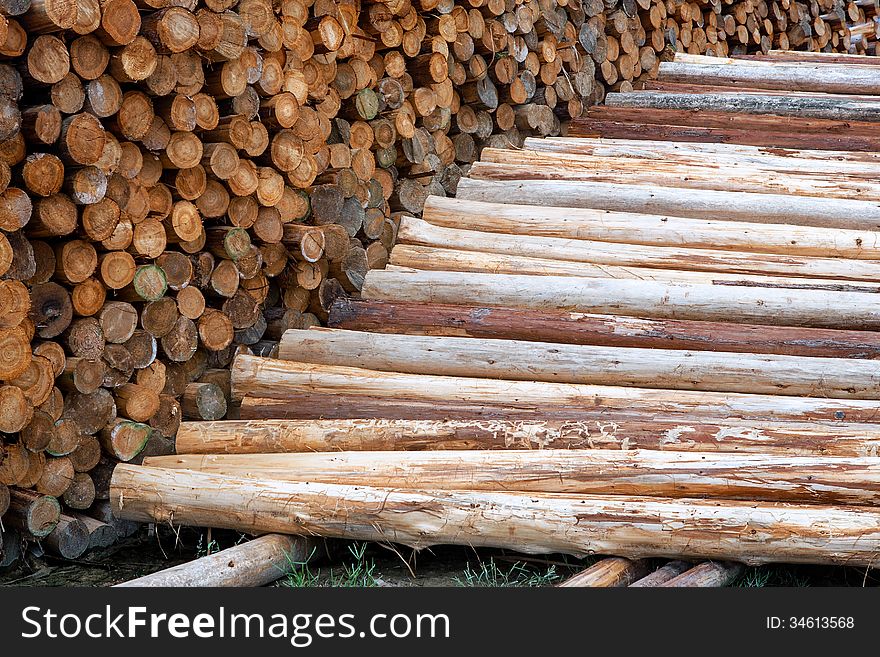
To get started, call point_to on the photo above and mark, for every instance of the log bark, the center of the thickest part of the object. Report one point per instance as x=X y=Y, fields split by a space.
x=69 y=539
x=101 y=534
x=752 y=533
x=662 y=574
x=753 y=103
x=257 y=562
x=31 y=513
x=798 y=77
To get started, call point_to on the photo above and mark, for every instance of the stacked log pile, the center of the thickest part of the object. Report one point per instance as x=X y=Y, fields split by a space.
x=640 y=348
x=181 y=182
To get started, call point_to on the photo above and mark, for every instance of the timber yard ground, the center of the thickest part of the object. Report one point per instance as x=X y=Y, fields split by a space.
x=358 y=564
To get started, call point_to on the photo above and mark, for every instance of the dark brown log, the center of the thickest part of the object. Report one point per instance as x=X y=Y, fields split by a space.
x=610 y=330
x=81 y=493
x=69 y=539
x=203 y=401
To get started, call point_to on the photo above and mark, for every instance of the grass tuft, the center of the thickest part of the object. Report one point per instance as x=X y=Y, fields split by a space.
x=489 y=574
x=360 y=572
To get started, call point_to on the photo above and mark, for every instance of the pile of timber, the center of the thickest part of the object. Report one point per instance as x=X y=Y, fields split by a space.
x=632 y=348
x=181 y=182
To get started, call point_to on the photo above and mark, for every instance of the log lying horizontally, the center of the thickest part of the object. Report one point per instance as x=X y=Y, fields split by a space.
x=817 y=308
x=734 y=73
x=419 y=232
x=650 y=229
x=662 y=574
x=255 y=563
x=762 y=130
x=278 y=436
x=609 y=330
x=794 y=159
x=713 y=573
x=816 y=107
x=498 y=164
x=613 y=571
x=694 y=203
x=615 y=366
x=822 y=480
x=751 y=532
x=281 y=380
x=407 y=257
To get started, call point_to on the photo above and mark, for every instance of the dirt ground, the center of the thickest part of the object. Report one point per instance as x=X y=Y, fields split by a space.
x=352 y=564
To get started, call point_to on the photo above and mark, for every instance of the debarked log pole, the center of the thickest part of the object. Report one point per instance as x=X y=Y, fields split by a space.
x=816 y=107
x=611 y=572
x=609 y=330
x=419 y=232
x=649 y=229
x=679 y=202
x=821 y=480
x=616 y=366
x=283 y=380
x=631 y=527
x=654 y=299
x=255 y=563
x=409 y=257
x=790 y=77
x=648 y=432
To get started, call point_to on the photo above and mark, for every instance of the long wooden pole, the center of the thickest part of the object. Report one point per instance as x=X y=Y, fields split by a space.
x=609 y=330
x=806 y=160
x=408 y=257
x=822 y=107
x=679 y=130
x=648 y=432
x=611 y=572
x=420 y=232
x=498 y=164
x=277 y=379
x=817 y=308
x=616 y=366
x=662 y=575
x=650 y=229
x=723 y=475
x=709 y=574
x=695 y=203
x=772 y=75
x=255 y=563
x=632 y=527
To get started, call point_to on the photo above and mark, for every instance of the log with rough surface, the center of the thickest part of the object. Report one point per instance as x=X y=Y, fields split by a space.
x=611 y=572
x=553 y=362
x=694 y=203
x=283 y=380
x=652 y=299
x=647 y=473
x=257 y=562
x=584 y=328
x=648 y=432
x=752 y=533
